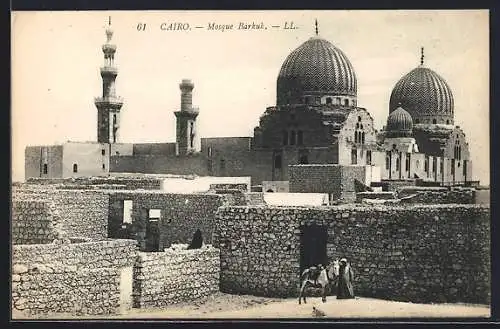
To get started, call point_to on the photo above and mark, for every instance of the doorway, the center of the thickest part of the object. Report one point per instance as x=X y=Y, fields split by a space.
x=152 y=230
x=313 y=240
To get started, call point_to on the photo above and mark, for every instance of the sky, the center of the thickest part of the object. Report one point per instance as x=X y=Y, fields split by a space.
x=56 y=58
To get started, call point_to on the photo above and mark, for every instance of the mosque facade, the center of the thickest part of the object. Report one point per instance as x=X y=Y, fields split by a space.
x=316 y=120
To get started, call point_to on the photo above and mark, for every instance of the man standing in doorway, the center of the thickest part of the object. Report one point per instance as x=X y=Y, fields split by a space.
x=345 y=289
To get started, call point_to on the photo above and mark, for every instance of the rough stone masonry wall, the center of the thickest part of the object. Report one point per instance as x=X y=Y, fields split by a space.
x=83 y=213
x=181 y=215
x=437 y=195
x=80 y=278
x=336 y=180
x=173 y=276
x=34 y=221
x=424 y=253
x=131 y=183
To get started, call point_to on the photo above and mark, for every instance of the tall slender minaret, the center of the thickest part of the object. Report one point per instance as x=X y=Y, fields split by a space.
x=108 y=105
x=186 y=136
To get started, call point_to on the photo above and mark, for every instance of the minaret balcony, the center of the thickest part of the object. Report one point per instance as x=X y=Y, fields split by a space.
x=109 y=70
x=111 y=101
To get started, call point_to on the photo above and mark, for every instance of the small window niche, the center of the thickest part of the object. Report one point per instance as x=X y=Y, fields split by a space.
x=75 y=168
x=154 y=214
x=45 y=169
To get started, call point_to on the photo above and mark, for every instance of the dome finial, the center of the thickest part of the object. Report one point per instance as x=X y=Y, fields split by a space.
x=316 y=26
x=422 y=56
x=109 y=30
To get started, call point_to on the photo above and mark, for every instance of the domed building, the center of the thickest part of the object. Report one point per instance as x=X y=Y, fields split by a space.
x=421 y=107
x=315 y=139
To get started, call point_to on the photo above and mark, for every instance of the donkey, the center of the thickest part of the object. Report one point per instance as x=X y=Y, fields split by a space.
x=327 y=277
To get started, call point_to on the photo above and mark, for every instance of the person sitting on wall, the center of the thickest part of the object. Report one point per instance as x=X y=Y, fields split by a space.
x=345 y=289
x=197 y=241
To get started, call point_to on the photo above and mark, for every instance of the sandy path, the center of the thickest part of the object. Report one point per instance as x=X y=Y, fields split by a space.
x=233 y=306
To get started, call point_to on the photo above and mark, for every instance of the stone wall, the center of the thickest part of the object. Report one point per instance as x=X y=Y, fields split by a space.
x=80 y=278
x=81 y=213
x=34 y=221
x=437 y=195
x=181 y=216
x=418 y=253
x=130 y=182
x=336 y=180
x=375 y=196
x=173 y=276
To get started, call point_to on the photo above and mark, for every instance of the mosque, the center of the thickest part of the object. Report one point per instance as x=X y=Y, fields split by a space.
x=316 y=121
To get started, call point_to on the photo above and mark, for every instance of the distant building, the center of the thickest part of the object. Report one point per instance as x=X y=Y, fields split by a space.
x=316 y=120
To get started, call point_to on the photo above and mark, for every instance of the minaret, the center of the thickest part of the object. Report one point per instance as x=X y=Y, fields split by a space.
x=186 y=136
x=108 y=105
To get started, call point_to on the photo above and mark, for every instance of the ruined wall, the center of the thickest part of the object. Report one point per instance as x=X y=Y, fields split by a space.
x=181 y=215
x=131 y=183
x=173 y=276
x=80 y=213
x=424 y=253
x=439 y=195
x=34 y=221
x=80 y=278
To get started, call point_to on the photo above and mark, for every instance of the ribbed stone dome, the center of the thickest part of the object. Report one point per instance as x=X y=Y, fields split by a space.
x=425 y=95
x=399 y=123
x=315 y=68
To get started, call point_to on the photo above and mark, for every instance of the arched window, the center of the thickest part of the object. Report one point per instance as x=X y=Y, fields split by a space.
x=222 y=164
x=354 y=156
x=285 y=137
x=359 y=119
x=328 y=100
x=292 y=137
x=447 y=122
x=45 y=168
x=363 y=137
x=426 y=164
x=388 y=161
x=75 y=168
x=357 y=125
x=103 y=166
x=369 y=157
x=346 y=102
x=398 y=164
x=434 y=121
x=300 y=137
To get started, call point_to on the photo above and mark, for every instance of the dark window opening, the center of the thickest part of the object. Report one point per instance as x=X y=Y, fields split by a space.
x=117 y=153
x=434 y=165
x=285 y=137
x=426 y=165
x=393 y=146
x=292 y=137
x=75 y=168
x=303 y=159
x=191 y=134
x=388 y=161
x=447 y=122
x=354 y=156
x=369 y=157
x=103 y=166
x=270 y=191
x=359 y=118
x=45 y=168
x=328 y=100
x=103 y=152
x=407 y=162
x=277 y=162
x=434 y=121
x=398 y=164
x=363 y=137
x=300 y=137
x=346 y=102
x=357 y=125
x=222 y=164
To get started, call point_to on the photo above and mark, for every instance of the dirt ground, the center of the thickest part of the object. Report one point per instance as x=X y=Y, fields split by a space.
x=242 y=306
